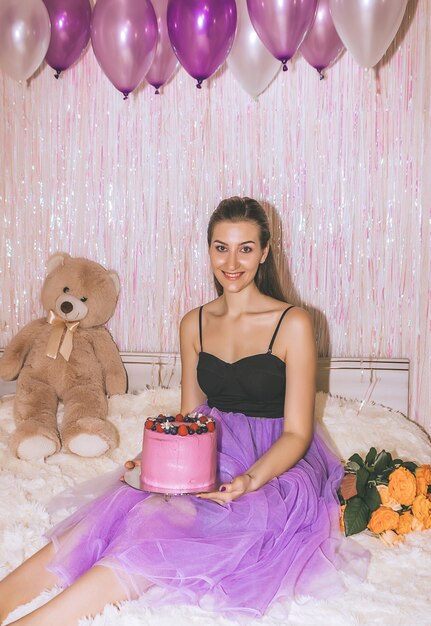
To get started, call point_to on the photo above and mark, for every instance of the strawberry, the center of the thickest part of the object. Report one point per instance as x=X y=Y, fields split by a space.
x=182 y=430
x=179 y=417
x=159 y=428
x=203 y=419
x=211 y=427
x=194 y=427
x=148 y=424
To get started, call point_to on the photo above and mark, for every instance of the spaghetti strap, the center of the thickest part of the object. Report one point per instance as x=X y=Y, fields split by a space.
x=200 y=325
x=277 y=327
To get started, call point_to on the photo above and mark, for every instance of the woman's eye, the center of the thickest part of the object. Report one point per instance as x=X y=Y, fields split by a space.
x=247 y=249
x=66 y=290
x=84 y=299
x=220 y=248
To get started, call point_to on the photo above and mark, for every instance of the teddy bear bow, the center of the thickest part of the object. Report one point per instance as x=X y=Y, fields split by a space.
x=56 y=342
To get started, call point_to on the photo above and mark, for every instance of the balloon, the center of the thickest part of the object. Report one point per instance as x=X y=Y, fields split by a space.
x=165 y=61
x=70 y=32
x=25 y=30
x=282 y=24
x=250 y=62
x=321 y=45
x=201 y=33
x=367 y=27
x=124 y=39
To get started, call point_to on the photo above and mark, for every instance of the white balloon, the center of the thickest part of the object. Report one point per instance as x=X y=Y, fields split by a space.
x=253 y=66
x=367 y=27
x=25 y=32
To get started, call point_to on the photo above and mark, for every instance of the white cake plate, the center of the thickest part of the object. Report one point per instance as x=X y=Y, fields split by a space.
x=132 y=478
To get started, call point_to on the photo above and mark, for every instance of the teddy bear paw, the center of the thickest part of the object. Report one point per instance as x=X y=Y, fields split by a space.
x=37 y=447
x=88 y=445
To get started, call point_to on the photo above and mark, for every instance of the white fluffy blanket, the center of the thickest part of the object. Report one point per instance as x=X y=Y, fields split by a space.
x=397 y=591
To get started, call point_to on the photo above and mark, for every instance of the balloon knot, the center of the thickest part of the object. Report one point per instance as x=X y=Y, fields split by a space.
x=157 y=92
x=199 y=83
x=285 y=68
x=125 y=95
x=57 y=74
x=321 y=74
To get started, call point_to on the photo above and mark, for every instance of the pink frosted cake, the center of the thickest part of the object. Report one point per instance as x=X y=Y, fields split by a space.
x=179 y=454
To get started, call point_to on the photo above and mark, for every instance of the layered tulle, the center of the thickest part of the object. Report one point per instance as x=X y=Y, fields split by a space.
x=282 y=541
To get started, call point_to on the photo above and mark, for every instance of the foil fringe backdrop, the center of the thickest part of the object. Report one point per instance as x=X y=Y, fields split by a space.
x=342 y=166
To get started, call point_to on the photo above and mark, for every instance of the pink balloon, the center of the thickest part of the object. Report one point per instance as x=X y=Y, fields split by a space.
x=124 y=38
x=202 y=34
x=70 y=32
x=165 y=61
x=322 y=45
x=367 y=27
x=25 y=30
x=282 y=24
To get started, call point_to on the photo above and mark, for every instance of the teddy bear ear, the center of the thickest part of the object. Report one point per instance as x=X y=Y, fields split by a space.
x=56 y=260
x=116 y=280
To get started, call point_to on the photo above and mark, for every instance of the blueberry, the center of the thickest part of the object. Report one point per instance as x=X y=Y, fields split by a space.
x=200 y=431
x=204 y=429
x=171 y=418
x=166 y=431
x=191 y=432
x=173 y=430
x=153 y=427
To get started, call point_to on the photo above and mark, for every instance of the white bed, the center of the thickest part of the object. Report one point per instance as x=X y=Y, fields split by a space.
x=398 y=586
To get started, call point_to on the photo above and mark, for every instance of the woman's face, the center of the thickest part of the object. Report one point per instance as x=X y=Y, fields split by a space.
x=235 y=254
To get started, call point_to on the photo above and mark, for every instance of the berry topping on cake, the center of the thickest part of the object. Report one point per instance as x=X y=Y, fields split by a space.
x=183 y=430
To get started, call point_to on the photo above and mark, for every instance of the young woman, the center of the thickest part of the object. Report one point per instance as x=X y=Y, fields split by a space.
x=271 y=530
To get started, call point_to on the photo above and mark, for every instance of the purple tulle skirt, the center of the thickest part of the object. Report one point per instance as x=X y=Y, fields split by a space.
x=280 y=542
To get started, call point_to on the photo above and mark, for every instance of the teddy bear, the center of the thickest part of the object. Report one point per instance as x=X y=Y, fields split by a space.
x=69 y=356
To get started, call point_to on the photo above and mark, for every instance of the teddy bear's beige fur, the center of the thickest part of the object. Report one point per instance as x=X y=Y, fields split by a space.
x=75 y=290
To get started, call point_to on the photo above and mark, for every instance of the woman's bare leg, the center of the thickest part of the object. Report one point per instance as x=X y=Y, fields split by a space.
x=27 y=581
x=87 y=596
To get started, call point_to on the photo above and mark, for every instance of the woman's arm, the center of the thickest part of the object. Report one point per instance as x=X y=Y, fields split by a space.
x=191 y=394
x=297 y=336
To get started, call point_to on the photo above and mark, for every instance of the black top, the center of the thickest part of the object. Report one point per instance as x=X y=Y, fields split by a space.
x=255 y=385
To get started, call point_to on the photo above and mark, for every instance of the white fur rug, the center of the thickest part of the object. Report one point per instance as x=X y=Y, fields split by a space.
x=397 y=591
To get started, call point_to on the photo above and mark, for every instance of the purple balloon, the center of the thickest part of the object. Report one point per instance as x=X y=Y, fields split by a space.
x=322 y=45
x=70 y=32
x=124 y=39
x=165 y=60
x=282 y=24
x=202 y=34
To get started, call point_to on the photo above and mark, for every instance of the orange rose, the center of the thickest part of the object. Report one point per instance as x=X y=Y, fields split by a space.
x=383 y=519
x=423 y=479
x=386 y=499
x=405 y=523
x=422 y=510
x=402 y=486
x=342 y=517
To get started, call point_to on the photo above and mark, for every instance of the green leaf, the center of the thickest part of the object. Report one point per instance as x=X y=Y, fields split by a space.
x=356 y=459
x=351 y=467
x=410 y=466
x=372 y=498
x=362 y=477
x=396 y=462
x=371 y=456
x=382 y=461
x=356 y=516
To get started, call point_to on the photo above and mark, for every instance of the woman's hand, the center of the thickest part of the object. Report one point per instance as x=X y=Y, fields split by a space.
x=230 y=491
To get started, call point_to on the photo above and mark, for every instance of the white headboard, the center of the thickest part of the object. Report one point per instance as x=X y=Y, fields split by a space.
x=385 y=381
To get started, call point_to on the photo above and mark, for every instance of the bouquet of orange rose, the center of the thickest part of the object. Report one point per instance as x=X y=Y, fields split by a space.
x=390 y=497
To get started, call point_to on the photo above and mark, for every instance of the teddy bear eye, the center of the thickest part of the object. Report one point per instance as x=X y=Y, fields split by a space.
x=66 y=290
x=84 y=299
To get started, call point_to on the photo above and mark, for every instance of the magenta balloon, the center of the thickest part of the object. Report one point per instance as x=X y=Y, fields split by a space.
x=70 y=32
x=282 y=24
x=165 y=61
x=124 y=38
x=202 y=34
x=321 y=45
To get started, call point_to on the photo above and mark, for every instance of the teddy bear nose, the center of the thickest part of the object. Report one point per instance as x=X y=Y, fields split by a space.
x=66 y=307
